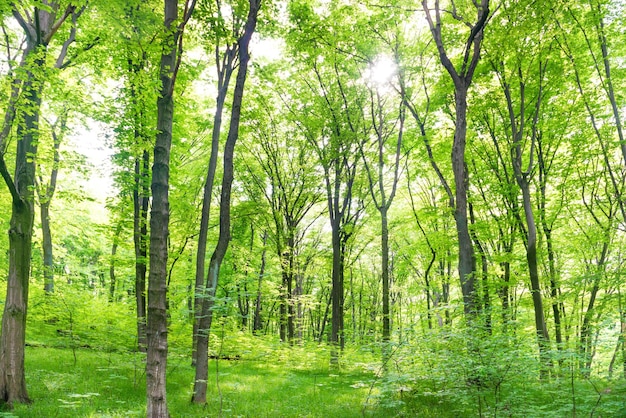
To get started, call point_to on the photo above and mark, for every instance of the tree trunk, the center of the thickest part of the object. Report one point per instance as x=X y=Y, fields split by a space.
x=13 y=338
x=204 y=327
x=140 y=235
x=39 y=28
x=46 y=235
x=462 y=80
x=12 y=381
x=484 y=277
x=258 y=320
x=282 y=309
x=224 y=75
x=336 y=333
x=112 y=279
x=156 y=330
x=467 y=261
x=384 y=238
x=535 y=286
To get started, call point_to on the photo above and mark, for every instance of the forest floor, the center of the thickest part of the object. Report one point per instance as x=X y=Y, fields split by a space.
x=89 y=383
x=256 y=377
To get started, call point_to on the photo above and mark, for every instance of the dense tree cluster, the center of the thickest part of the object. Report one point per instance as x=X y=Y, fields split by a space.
x=397 y=174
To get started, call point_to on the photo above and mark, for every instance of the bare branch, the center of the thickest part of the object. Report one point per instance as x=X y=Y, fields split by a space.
x=69 y=10
x=25 y=23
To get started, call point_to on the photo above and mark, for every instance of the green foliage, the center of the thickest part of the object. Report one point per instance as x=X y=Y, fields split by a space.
x=74 y=318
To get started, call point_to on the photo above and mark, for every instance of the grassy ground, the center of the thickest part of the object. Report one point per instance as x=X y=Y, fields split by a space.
x=113 y=385
x=269 y=379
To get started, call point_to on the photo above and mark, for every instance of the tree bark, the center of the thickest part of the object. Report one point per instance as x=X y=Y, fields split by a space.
x=48 y=258
x=156 y=330
x=13 y=338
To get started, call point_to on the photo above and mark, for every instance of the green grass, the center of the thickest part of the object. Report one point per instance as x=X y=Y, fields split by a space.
x=283 y=383
x=270 y=379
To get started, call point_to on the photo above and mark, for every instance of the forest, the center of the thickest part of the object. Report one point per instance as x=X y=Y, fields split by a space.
x=312 y=208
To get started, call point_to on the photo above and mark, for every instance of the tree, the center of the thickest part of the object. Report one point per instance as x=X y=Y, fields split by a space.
x=289 y=184
x=204 y=327
x=45 y=192
x=462 y=78
x=378 y=178
x=40 y=27
x=226 y=63
x=517 y=124
x=156 y=330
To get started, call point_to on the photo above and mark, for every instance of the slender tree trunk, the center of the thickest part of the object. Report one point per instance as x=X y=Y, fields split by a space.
x=258 y=307
x=623 y=337
x=141 y=196
x=504 y=292
x=337 y=295
x=324 y=319
x=224 y=76
x=204 y=327
x=297 y=294
x=291 y=243
x=45 y=198
x=48 y=258
x=112 y=278
x=484 y=277
x=586 y=347
x=384 y=238
x=535 y=286
x=282 y=310
x=140 y=236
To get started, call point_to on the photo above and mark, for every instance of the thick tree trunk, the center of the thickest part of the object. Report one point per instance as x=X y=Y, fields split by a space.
x=462 y=80
x=156 y=330
x=204 y=327
x=12 y=378
x=39 y=28
x=12 y=340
